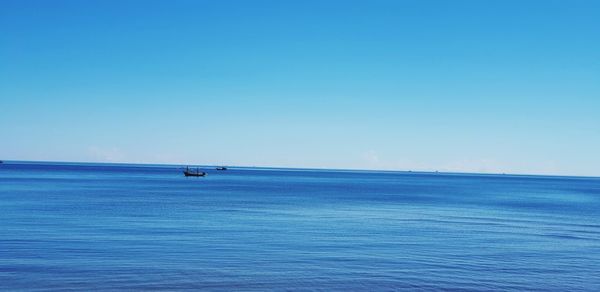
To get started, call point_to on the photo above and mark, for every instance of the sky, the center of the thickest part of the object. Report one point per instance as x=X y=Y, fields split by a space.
x=466 y=86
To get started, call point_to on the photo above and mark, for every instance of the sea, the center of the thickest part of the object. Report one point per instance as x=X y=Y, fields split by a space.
x=120 y=227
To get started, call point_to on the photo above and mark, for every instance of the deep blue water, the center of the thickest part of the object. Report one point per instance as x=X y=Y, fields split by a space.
x=124 y=227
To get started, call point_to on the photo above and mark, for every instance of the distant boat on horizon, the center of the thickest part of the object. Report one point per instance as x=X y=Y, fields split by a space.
x=190 y=172
x=221 y=168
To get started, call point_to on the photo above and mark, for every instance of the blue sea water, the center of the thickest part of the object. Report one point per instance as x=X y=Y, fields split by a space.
x=146 y=227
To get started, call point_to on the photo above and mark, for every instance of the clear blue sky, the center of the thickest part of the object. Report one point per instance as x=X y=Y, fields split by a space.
x=482 y=86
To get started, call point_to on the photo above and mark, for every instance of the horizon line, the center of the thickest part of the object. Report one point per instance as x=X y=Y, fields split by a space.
x=309 y=168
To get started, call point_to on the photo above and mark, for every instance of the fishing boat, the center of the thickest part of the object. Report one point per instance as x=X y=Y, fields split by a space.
x=190 y=172
x=221 y=168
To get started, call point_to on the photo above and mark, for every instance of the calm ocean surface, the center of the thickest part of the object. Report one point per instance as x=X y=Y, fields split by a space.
x=127 y=227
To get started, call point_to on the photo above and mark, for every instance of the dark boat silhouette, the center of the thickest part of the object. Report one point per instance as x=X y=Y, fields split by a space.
x=190 y=172
x=221 y=168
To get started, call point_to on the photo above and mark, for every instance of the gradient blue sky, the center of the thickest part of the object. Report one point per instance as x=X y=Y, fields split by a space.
x=477 y=86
